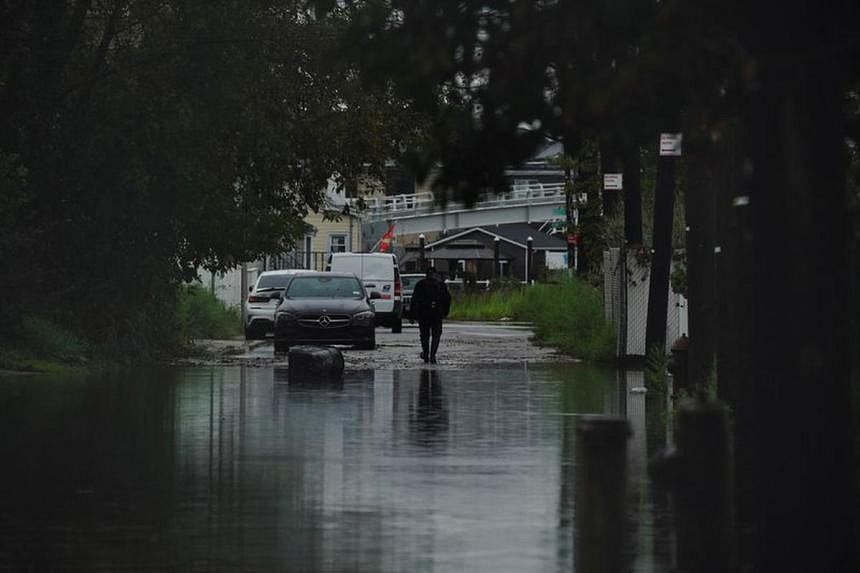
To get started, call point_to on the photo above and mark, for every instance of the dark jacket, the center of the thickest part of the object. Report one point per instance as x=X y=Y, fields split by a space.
x=430 y=300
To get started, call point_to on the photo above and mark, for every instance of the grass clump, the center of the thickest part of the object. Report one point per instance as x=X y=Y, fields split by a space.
x=656 y=369
x=201 y=315
x=43 y=346
x=492 y=305
x=145 y=334
x=567 y=315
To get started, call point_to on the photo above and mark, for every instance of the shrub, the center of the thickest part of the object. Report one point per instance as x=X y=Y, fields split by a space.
x=656 y=369
x=50 y=340
x=492 y=305
x=201 y=315
x=567 y=315
x=43 y=346
x=146 y=332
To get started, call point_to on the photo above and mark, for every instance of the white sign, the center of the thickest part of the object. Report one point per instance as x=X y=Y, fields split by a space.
x=670 y=144
x=613 y=181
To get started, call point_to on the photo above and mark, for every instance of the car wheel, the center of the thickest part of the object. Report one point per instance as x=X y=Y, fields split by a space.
x=281 y=346
x=397 y=327
x=370 y=344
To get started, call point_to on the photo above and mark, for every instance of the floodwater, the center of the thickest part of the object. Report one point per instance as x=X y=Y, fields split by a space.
x=235 y=468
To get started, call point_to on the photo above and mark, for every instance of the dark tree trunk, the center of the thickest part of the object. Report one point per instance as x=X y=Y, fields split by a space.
x=632 y=195
x=707 y=169
x=795 y=473
x=661 y=254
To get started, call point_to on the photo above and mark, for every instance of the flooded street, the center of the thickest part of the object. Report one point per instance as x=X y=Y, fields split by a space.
x=462 y=344
x=234 y=468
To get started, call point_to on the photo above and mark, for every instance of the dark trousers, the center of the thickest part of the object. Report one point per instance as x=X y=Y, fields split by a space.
x=428 y=327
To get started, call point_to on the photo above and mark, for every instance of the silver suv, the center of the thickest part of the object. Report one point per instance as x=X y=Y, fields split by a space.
x=409 y=281
x=263 y=299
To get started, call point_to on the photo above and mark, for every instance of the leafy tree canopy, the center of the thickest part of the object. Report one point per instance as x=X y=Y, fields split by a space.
x=500 y=75
x=143 y=138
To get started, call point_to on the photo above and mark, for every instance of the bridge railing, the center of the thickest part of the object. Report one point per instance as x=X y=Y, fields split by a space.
x=417 y=203
x=405 y=203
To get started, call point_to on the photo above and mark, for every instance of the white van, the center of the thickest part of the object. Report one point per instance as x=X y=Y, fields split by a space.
x=380 y=274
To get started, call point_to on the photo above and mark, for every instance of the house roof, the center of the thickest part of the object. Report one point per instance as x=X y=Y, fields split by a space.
x=469 y=254
x=514 y=233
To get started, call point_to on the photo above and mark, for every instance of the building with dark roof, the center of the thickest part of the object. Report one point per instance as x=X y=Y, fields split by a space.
x=470 y=253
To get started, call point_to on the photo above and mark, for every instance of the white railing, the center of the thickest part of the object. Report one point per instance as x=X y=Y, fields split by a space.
x=391 y=204
x=419 y=203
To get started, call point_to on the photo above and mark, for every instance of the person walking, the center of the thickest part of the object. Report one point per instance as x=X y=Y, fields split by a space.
x=430 y=304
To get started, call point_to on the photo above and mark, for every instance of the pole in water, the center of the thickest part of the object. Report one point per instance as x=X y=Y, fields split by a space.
x=601 y=457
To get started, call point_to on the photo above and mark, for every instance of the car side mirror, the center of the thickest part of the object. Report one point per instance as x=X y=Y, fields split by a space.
x=375 y=295
x=250 y=289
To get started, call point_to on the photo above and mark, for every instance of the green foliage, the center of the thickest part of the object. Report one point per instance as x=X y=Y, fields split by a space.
x=42 y=346
x=201 y=315
x=505 y=284
x=144 y=335
x=656 y=370
x=507 y=74
x=567 y=315
x=51 y=341
x=142 y=140
x=588 y=184
x=493 y=305
x=678 y=279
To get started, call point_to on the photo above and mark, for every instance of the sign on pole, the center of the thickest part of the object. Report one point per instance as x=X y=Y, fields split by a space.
x=613 y=181
x=670 y=144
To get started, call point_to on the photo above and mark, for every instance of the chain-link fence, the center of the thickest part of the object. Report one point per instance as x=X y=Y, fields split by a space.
x=625 y=296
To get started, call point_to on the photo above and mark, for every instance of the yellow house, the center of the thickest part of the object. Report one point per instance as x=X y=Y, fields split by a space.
x=328 y=236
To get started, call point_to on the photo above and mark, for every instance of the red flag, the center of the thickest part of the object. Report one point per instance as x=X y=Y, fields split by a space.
x=385 y=241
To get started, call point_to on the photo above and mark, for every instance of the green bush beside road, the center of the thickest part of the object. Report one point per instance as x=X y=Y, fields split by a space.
x=567 y=315
x=45 y=345
x=201 y=315
x=491 y=305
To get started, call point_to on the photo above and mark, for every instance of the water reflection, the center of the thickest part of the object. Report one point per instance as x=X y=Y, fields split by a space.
x=429 y=416
x=237 y=468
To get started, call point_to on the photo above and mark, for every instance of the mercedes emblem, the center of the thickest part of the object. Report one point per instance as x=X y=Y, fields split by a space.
x=324 y=320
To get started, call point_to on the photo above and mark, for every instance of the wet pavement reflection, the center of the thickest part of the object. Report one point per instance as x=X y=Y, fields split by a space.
x=235 y=468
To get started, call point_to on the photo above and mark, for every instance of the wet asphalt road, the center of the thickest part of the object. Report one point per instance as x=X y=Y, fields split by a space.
x=462 y=344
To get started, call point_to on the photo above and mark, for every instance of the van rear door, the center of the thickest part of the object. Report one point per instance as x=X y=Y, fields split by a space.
x=377 y=273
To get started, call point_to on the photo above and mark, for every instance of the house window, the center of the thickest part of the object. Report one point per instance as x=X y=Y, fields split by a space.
x=337 y=243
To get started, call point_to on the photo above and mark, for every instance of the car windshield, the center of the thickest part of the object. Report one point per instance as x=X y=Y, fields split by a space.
x=325 y=287
x=269 y=282
x=410 y=282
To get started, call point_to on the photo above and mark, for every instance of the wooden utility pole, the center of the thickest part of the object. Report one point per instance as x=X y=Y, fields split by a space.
x=796 y=466
x=661 y=249
x=632 y=194
x=708 y=167
x=609 y=166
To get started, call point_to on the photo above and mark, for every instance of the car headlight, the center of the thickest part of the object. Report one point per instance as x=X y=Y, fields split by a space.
x=363 y=315
x=285 y=316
